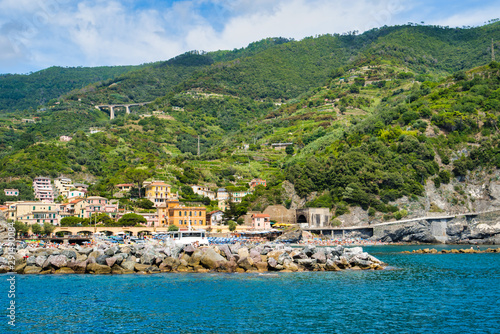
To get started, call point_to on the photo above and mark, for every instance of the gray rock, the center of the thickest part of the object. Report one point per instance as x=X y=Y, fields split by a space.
x=4 y=261
x=110 y=261
x=319 y=256
x=189 y=249
x=212 y=260
x=31 y=261
x=226 y=250
x=101 y=259
x=85 y=250
x=308 y=263
x=283 y=257
x=129 y=265
x=246 y=263
x=234 y=248
x=69 y=254
x=309 y=250
x=148 y=258
x=272 y=263
x=40 y=260
x=58 y=261
x=110 y=251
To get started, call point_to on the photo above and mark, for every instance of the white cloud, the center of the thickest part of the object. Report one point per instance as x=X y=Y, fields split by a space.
x=35 y=34
x=469 y=17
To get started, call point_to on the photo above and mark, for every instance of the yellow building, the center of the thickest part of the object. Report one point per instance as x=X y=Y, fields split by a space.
x=158 y=192
x=172 y=213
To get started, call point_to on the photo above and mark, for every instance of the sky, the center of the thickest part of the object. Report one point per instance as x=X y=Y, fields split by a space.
x=36 y=34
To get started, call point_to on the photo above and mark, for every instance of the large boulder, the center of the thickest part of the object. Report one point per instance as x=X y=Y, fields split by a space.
x=64 y=270
x=32 y=270
x=212 y=260
x=243 y=252
x=78 y=267
x=128 y=265
x=148 y=258
x=275 y=254
x=110 y=261
x=101 y=259
x=195 y=258
x=58 y=261
x=70 y=254
x=31 y=261
x=246 y=263
x=225 y=250
x=95 y=268
x=319 y=256
x=40 y=260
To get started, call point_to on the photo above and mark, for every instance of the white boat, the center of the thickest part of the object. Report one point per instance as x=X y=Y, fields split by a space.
x=181 y=238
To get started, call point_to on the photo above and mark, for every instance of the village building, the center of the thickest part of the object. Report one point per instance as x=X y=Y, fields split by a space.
x=261 y=221
x=256 y=182
x=204 y=191
x=65 y=138
x=172 y=213
x=125 y=187
x=280 y=146
x=43 y=189
x=214 y=218
x=30 y=212
x=11 y=192
x=158 y=192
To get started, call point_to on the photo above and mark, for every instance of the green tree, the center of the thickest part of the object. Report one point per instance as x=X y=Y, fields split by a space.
x=173 y=228
x=21 y=228
x=48 y=228
x=145 y=204
x=137 y=176
x=289 y=150
x=36 y=229
x=232 y=225
x=131 y=219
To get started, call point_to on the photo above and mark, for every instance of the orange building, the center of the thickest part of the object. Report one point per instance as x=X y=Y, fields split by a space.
x=172 y=213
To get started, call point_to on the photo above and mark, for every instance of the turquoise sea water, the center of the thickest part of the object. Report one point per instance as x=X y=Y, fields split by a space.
x=449 y=293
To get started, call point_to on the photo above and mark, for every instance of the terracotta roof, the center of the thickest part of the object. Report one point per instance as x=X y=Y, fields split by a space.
x=261 y=215
x=124 y=185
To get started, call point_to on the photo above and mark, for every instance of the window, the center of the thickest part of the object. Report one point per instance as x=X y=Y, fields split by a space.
x=201 y=222
x=200 y=213
x=190 y=213
x=195 y=213
x=180 y=222
x=185 y=213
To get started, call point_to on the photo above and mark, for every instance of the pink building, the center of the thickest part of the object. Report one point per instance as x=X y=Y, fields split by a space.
x=97 y=204
x=43 y=189
x=261 y=221
x=11 y=192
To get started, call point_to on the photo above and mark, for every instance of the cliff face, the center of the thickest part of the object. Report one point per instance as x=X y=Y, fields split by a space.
x=467 y=229
x=476 y=193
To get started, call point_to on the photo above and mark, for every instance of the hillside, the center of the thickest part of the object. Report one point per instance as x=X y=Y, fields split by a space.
x=371 y=118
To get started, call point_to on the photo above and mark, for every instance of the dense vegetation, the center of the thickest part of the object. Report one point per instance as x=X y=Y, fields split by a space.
x=371 y=117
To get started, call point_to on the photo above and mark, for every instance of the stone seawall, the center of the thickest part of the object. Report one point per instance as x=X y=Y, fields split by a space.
x=149 y=258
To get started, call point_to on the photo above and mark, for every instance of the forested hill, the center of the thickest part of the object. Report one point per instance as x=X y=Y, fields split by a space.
x=276 y=68
x=23 y=91
x=282 y=69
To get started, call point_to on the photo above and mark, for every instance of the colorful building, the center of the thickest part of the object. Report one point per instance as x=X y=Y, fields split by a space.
x=172 y=213
x=261 y=221
x=256 y=182
x=158 y=192
x=43 y=189
x=11 y=192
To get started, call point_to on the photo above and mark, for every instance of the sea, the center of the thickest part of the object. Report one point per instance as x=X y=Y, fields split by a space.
x=417 y=293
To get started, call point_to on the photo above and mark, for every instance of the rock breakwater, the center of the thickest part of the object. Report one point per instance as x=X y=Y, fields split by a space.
x=150 y=259
x=452 y=251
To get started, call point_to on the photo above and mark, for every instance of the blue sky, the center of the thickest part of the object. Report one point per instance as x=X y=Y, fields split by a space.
x=36 y=34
